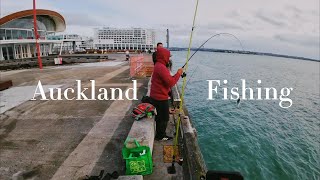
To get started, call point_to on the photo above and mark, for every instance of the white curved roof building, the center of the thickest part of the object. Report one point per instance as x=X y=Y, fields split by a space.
x=17 y=33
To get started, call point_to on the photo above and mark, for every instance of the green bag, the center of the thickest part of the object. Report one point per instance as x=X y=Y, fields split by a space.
x=138 y=159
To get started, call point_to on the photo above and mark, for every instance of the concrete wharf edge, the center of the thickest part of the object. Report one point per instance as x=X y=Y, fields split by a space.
x=80 y=162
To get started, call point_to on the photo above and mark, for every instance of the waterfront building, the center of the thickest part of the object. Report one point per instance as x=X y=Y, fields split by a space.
x=85 y=43
x=17 y=33
x=71 y=42
x=124 y=38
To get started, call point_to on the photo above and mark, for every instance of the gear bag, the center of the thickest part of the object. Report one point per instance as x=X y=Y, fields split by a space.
x=142 y=110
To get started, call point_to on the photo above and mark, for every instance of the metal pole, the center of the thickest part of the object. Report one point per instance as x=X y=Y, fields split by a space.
x=36 y=33
x=61 y=48
x=167 y=38
x=1 y=54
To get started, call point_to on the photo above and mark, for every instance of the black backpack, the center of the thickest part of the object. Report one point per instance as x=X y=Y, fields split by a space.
x=146 y=99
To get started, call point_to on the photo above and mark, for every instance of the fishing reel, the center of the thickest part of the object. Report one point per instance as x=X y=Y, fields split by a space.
x=183 y=75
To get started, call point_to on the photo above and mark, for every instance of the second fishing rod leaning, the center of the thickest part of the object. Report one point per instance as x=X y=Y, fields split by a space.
x=171 y=169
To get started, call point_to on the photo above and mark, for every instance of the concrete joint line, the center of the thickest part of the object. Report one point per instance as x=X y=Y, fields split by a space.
x=84 y=157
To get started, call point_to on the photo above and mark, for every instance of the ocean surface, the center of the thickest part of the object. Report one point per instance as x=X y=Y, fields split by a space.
x=257 y=138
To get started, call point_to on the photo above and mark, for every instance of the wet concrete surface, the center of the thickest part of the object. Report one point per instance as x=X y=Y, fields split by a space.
x=66 y=139
x=160 y=170
x=38 y=136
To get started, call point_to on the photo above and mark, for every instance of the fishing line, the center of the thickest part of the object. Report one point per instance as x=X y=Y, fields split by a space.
x=202 y=45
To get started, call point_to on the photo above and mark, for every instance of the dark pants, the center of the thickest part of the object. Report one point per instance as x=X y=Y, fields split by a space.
x=162 y=117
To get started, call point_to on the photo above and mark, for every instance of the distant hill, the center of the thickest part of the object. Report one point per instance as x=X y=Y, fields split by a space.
x=242 y=52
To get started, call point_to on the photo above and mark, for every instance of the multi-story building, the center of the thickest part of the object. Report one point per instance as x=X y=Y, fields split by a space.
x=17 y=33
x=86 y=43
x=121 y=39
x=72 y=42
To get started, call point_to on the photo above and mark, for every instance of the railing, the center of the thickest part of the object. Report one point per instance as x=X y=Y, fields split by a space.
x=140 y=67
x=20 y=33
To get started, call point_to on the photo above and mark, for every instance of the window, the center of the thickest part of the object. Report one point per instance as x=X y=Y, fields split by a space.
x=2 y=34
x=8 y=34
x=10 y=51
x=5 y=53
x=24 y=34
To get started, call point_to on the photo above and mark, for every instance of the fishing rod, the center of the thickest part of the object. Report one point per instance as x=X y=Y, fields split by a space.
x=171 y=169
x=202 y=45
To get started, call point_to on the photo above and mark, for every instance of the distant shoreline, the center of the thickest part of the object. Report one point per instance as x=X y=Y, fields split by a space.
x=244 y=52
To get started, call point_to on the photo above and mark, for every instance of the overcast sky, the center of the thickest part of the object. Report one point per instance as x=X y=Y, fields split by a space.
x=278 y=26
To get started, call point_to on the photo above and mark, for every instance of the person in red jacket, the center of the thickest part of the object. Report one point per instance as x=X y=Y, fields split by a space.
x=161 y=83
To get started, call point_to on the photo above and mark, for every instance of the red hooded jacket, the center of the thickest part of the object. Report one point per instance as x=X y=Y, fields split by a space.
x=161 y=80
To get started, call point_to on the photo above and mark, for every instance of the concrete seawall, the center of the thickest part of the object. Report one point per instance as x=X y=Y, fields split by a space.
x=49 y=61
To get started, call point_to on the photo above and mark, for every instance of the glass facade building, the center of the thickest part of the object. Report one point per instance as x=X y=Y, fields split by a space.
x=17 y=33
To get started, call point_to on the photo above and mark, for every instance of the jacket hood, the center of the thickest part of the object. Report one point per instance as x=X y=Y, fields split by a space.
x=163 y=55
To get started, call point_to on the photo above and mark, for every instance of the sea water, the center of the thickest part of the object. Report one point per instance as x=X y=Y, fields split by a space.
x=259 y=139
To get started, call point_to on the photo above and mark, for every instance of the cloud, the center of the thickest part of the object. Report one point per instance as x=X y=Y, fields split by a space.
x=269 y=19
x=232 y=14
x=224 y=26
x=301 y=40
x=293 y=8
x=81 y=19
x=78 y=29
x=8 y=6
x=276 y=26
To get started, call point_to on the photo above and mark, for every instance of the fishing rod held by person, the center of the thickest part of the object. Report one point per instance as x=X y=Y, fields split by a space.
x=202 y=45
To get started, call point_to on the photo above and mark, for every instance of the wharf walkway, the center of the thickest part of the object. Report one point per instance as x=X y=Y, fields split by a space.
x=70 y=139
x=65 y=139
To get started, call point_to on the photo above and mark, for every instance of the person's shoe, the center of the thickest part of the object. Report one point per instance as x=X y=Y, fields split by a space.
x=165 y=138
